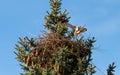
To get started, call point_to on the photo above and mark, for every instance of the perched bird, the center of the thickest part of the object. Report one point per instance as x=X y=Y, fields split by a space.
x=76 y=30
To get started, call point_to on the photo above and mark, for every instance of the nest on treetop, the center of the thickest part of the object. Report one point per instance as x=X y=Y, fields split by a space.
x=48 y=45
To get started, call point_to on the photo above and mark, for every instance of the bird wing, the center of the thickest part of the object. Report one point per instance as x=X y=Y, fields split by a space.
x=71 y=26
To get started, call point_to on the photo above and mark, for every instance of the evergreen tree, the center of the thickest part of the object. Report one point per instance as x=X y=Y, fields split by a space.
x=59 y=51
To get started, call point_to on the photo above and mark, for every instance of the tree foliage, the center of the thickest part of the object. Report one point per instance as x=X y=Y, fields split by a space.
x=110 y=69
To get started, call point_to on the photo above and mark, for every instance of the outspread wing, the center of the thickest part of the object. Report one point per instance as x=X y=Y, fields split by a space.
x=71 y=26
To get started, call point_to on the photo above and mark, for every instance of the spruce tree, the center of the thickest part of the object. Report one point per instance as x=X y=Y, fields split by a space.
x=59 y=51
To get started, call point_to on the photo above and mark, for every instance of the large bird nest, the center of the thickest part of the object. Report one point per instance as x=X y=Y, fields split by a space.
x=49 y=44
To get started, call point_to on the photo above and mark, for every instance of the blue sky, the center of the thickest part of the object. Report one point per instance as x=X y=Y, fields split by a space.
x=20 y=18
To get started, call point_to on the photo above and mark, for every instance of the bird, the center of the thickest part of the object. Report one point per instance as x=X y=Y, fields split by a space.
x=76 y=30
